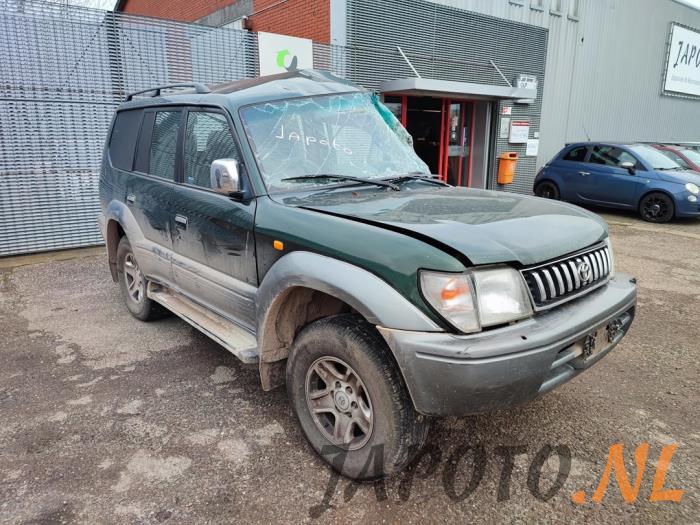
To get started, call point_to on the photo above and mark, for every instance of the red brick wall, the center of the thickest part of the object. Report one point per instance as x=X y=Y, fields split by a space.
x=302 y=18
x=181 y=10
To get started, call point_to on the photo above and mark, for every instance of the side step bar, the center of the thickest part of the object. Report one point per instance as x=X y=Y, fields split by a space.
x=232 y=337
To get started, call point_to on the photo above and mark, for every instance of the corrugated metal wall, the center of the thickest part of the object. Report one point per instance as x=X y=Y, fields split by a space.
x=446 y=43
x=617 y=79
x=604 y=69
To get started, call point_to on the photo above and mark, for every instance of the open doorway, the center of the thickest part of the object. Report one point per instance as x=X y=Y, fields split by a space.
x=443 y=134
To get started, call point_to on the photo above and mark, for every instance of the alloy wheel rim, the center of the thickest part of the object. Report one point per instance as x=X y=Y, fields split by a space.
x=135 y=285
x=655 y=208
x=339 y=403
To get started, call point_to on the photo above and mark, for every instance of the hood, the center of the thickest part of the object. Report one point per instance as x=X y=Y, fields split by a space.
x=681 y=177
x=486 y=227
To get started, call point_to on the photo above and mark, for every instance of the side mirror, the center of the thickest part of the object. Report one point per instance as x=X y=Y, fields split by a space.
x=629 y=166
x=225 y=177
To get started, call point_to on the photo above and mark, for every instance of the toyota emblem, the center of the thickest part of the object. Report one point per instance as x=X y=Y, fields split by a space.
x=584 y=271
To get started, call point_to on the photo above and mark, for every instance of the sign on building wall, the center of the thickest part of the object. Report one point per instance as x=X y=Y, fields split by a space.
x=519 y=131
x=280 y=53
x=683 y=62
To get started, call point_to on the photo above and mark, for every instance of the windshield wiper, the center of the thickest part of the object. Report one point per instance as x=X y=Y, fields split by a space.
x=416 y=176
x=376 y=182
x=676 y=168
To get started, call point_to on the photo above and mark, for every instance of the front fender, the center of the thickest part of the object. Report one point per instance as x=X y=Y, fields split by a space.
x=372 y=297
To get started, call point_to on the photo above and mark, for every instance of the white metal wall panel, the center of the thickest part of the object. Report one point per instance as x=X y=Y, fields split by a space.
x=617 y=78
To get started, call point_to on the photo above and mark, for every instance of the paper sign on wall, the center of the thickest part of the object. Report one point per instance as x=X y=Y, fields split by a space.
x=533 y=145
x=504 y=129
x=280 y=53
x=519 y=131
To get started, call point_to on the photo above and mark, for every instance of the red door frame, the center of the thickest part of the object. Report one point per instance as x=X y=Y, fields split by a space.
x=445 y=136
x=445 y=139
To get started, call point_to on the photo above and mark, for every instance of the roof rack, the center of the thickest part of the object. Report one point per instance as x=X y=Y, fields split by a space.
x=198 y=88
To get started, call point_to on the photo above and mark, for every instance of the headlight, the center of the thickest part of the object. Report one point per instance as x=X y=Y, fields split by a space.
x=612 y=257
x=478 y=298
x=692 y=188
x=452 y=295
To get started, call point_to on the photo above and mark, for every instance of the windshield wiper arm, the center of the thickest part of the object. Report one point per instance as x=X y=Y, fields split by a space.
x=376 y=182
x=411 y=176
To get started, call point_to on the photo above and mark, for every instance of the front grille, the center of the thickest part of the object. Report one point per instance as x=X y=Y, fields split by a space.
x=559 y=281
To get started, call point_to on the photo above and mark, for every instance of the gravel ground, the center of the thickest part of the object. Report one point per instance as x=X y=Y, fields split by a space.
x=105 y=419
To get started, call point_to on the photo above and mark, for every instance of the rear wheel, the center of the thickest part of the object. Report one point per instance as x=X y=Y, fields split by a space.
x=133 y=285
x=656 y=207
x=547 y=190
x=350 y=398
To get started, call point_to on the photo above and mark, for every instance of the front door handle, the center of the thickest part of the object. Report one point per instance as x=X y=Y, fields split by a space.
x=181 y=221
x=584 y=173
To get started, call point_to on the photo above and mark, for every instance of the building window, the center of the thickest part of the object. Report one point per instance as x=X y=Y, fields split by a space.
x=574 y=8
x=537 y=5
x=555 y=7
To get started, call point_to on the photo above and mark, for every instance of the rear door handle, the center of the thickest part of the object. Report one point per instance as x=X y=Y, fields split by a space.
x=131 y=198
x=584 y=173
x=181 y=221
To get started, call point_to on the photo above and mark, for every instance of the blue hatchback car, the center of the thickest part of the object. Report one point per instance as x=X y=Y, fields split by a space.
x=627 y=176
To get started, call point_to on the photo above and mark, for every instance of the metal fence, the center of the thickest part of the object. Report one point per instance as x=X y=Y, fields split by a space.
x=66 y=68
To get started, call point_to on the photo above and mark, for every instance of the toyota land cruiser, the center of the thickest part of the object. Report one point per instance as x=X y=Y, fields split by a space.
x=289 y=219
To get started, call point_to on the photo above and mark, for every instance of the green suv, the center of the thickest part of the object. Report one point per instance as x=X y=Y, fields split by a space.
x=289 y=219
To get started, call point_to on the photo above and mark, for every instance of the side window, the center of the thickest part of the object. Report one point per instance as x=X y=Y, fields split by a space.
x=576 y=154
x=207 y=138
x=610 y=156
x=122 y=140
x=161 y=160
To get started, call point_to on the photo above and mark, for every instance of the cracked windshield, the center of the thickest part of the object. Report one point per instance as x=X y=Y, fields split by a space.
x=349 y=135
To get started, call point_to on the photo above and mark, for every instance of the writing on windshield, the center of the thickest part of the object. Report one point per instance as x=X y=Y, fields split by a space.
x=347 y=134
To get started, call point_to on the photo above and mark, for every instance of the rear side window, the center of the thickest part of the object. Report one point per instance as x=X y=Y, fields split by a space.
x=207 y=138
x=122 y=141
x=161 y=160
x=577 y=154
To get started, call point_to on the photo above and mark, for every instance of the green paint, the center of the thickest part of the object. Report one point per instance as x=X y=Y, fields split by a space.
x=281 y=56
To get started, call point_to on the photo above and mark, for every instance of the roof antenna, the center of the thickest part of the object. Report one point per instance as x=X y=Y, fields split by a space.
x=588 y=137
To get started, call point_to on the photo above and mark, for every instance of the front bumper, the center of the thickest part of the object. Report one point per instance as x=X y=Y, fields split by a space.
x=685 y=208
x=452 y=375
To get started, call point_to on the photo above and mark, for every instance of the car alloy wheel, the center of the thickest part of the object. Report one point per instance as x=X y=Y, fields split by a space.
x=339 y=403
x=135 y=283
x=657 y=208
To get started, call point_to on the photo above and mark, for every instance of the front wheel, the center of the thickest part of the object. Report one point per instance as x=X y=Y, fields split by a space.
x=350 y=398
x=656 y=207
x=134 y=285
x=547 y=190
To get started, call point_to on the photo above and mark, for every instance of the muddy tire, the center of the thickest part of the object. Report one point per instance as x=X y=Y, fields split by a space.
x=350 y=398
x=657 y=207
x=133 y=285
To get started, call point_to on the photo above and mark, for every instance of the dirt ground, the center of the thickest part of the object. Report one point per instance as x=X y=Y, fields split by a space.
x=105 y=419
